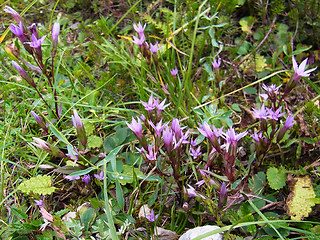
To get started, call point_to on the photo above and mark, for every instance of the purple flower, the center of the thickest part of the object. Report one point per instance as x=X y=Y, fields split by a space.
x=141 y=150
x=257 y=136
x=24 y=74
x=299 y=71
x=136 y=127
x=175 y=126
x=13 y=13
x=206 y=131
x=167 y=138
x=139 y=41
x=151 y=155
x=223 y=194
x=160 y=107
x=33 y=30
x=70 y=178
x=139 y=28
x=195 y=153
x=154 y=48
x=86 y=179
x=289 y=122
x=99 y=176
x=73 y=155
x=39 y=120
x=193 y=142
x=18 y=31
x=40 y=202
x=275 y=115
x=36 y=43
x=216 y=64
x=232 y=140
x=152 y=217
x=81 y=132
x=150 y=105
x=55 y=32
x=41 y=144
x=272 y=89
x=158 y=128
x=260 y=113
x=191 y=192
x=174 y=72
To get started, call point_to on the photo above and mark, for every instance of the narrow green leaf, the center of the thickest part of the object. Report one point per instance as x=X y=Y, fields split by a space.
x=119 y=194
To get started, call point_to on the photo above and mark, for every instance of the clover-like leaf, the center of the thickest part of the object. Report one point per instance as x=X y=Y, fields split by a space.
x=277 y=177
x=94 y=141
x=37 y=185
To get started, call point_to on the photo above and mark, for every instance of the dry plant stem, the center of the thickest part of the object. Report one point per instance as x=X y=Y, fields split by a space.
x=236 y=66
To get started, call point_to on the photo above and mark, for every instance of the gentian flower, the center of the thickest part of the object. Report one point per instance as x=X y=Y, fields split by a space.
x=86 y=179
x=149 y=106
x=41 y=144
x=174 y=72
x=232 y=140
x=191 y=192
x=275 y=115
x=40 y=202
x=299 y=71
x=13 y=13
x=24 y=74
x=154 y=48
x=99 y=176
x=36 y=43
x=70 y=178
x=136 y=127
x=151 y=155
x=258 y=136
x=139 y=28
x=167 y=138
x=260 y=113
x=195 y=153
x=212 y=135
x=152 y=217
x=55 y=32
x=73 y=155
x=33 y=30
x=216 y=63
x=288 y=124
x=18 y=31
x=158 y=128
x=272 y=89
x=40 y=121
x=160 y=107
x=138 y=41
x=81 y=132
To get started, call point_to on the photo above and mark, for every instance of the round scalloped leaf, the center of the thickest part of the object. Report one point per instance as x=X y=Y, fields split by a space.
x=37 y=185
x=277 y=177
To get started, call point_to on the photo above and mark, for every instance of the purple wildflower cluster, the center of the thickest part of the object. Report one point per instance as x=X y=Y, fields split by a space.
x=148 y=50
x=32 y=42
x=272 y=125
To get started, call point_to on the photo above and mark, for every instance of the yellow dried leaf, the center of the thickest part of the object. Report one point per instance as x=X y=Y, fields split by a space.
x=298 y=203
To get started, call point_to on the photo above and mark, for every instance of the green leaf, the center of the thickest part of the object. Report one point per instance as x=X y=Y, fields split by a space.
x=38 y=185
x=250 y=90
x=58 y=134
x=121 y=135
x=119 y=194
x=276 y=177
x=87 y=217
x=19 y=213
x=154 y=196
x=94 y=141
x=81 y=172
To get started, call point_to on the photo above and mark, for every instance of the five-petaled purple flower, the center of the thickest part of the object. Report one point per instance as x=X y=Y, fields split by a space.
x=299 y=71
x=216 y=63
x=232 y=140
x=174 y=72
x=152 y=217
x=150 y=105
x=195 y=153
x=139 y=28
x=18 y=31
x=154 y=48
x=86 y=179
x=99 y=176
x=151 y=155
x=136 y=127
x=272 y=89
x=158 y=128
x=138 y=41
x=260 y=113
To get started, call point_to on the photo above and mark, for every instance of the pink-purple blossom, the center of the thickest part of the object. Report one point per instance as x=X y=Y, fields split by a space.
x=154 y=48
x=86 y=179
x=299 y=71
x=136 y=127
x=216 y=63
x=70 y=178
x=139 y=41
x=195 y=153
x=174 y=72
x=152 y=217
x=99 y=176
x=18 y=31
x=139 y=28
x=150 y=105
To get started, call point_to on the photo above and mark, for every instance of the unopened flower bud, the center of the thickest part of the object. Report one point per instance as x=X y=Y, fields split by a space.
x=77 y=123
x=24 y=74
x=13 y=13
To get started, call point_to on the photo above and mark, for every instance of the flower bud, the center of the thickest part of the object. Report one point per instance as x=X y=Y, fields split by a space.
x=24 y=74
x=77 y=123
